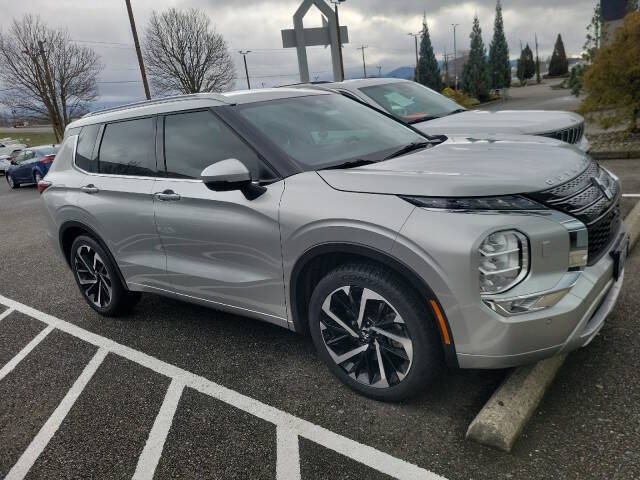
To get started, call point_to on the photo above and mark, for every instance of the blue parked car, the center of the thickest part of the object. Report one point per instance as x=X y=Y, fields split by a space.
x=31 y=165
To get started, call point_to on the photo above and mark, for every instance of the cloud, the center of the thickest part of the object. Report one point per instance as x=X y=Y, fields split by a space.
x=255 y=24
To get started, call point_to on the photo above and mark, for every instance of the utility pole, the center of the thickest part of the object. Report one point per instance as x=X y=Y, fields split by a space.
x=52 y=91
x=538 y=80
x=138 y=52
x=335 y=4
x=415 y=38
x=455 y=56
x=364 y=65
x=246 y=70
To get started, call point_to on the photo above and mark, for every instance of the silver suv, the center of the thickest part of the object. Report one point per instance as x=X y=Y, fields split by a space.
x=397 y=252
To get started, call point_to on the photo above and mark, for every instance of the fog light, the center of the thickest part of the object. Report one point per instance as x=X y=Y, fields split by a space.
x=504 y=261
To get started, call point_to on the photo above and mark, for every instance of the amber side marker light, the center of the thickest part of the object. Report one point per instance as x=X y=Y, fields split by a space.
x=441 y=322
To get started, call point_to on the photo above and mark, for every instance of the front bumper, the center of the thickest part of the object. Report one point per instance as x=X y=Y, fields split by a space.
x=572 y=323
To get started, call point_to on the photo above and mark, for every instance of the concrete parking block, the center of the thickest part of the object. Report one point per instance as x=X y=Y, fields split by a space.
x=502 y=419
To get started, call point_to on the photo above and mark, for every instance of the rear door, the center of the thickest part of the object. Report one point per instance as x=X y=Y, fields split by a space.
x=116 y=196
x=221 y=247
x=25 y=161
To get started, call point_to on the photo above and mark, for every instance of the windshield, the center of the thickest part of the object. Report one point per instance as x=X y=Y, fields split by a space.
x=320 y=131
x=410 y=101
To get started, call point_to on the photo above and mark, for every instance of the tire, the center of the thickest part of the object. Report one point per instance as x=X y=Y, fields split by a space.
x=12 y=184
x=97 y=278
x=410 y=362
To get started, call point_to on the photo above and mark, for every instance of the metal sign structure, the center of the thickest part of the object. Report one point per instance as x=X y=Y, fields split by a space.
x=300 y=37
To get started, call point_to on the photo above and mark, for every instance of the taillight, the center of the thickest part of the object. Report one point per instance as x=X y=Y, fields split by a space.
x=47 y=159
x=43 y=185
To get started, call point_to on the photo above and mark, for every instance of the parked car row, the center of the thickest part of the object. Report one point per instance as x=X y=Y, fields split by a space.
x=30 y=165
x=397 y=251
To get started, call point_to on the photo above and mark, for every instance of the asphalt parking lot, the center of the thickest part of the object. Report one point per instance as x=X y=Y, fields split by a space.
x=185 y=392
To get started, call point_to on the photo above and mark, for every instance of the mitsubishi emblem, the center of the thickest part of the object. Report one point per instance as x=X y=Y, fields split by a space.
x=605 y=189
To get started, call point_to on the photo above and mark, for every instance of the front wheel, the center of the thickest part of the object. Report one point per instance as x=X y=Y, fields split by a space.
x=374 y=333
x=98 y=280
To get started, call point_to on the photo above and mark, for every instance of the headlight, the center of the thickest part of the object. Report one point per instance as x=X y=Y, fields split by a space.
x=506 y=202
x=504 y=261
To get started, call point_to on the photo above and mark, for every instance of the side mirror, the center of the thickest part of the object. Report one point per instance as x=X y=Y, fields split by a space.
x=13 y=162
x=231 y=174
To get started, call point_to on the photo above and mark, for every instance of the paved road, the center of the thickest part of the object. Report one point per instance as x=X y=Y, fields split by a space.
x=536 y=97
x=587 y=426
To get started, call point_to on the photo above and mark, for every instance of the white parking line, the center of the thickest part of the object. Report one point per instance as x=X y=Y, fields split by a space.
x=48 y=430
x=152 y=452
x=288 y=454
x=11 y=364
x=6 y=313
x=364 y=454
x=631 y=195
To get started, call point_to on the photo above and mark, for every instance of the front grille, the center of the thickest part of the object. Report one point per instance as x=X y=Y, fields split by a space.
x=584 y=198
x=569 y=135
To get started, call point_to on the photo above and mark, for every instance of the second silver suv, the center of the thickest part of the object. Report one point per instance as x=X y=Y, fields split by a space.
x=398 y=252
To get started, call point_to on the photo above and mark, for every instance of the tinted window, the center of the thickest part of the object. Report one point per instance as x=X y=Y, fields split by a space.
x=128 y=148
x=195 y=140
x=85 y=158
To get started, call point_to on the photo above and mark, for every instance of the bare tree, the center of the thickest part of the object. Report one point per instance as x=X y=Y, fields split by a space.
x=45 y=74
x=183 y=54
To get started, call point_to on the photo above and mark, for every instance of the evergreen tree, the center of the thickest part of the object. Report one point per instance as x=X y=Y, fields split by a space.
x=428 y=71
x=476 y=76
x=499 y=54
x=559 y=65
x=526 y=65
x=595 y=34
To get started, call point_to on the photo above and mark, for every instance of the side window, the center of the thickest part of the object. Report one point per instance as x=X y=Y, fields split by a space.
x=195 y=140
x=128 y=148
x=19 y=157
x=85 y=158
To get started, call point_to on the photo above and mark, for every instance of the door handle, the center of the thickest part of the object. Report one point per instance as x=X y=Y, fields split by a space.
x=90 y=189
x=168 y=196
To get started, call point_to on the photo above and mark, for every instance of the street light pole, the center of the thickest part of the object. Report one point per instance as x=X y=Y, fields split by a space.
x=455 y=56
x=246 y=70
x=335 y=3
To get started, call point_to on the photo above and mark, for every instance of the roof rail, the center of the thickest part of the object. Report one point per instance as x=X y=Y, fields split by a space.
x=174 y=98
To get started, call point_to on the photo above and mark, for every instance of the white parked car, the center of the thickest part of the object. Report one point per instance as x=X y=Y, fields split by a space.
x=433 y=113
x=7 y=147
x=5 y=163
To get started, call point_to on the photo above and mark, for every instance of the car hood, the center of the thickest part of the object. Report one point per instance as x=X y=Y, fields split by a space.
x=468 y=166
x=524 y=122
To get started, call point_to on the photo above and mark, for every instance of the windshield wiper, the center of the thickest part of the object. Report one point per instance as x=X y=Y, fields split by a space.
x=426 y=118
x=458 y=110
x=350 y=164
x=410 y=147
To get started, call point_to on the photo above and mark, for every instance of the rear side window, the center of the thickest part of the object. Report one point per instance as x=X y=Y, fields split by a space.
x=195 y=140
x=85 y=158
x=128 y=148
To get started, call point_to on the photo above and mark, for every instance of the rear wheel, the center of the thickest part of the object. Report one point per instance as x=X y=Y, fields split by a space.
x=11 y=183
x=37 y=177
x=374 y=333
x=98 y=280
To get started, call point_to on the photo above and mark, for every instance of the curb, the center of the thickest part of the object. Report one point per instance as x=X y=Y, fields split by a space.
x=506 y=413
x=614 y=155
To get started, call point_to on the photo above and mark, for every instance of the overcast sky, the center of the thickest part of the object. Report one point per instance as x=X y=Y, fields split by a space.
x=255 y=25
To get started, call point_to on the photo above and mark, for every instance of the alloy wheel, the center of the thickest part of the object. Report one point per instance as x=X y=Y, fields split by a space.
x=93 y=276
x=366 y=336
x=10 y=181
x=38 y=177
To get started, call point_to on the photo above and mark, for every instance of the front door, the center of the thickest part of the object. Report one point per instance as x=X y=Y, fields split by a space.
x=221 y=247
